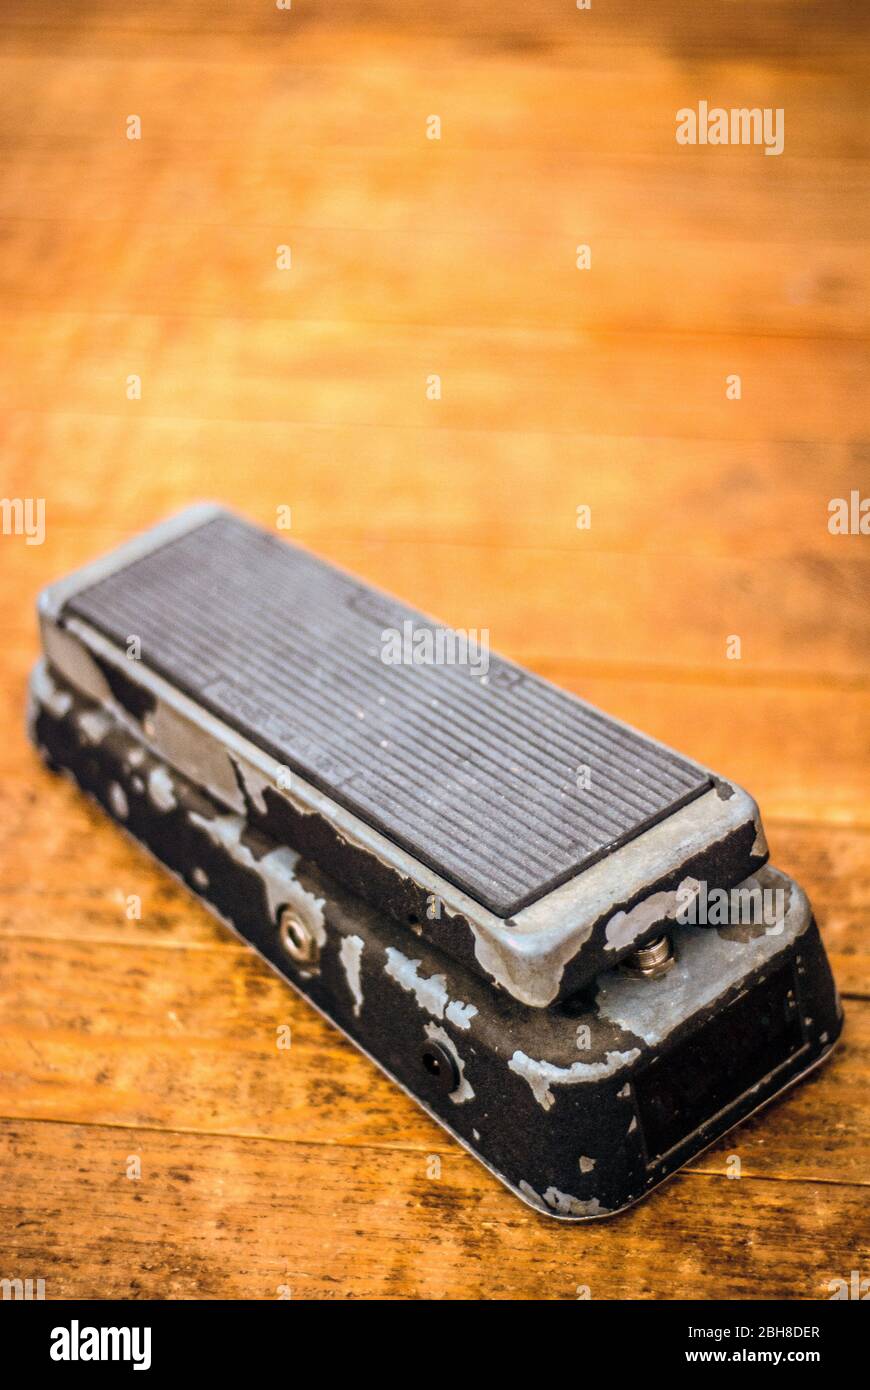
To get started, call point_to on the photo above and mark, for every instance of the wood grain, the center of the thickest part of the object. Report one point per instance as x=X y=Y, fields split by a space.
x=307 y=1171
x=235 y=1217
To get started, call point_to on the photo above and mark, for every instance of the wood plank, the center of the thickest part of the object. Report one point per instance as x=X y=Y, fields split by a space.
x=336 y=373
x=372 y=98
x=833 y=864
x=518 y=280
x=776 y=30
x=567 y=196
x=239 y=1218
x=455 y=490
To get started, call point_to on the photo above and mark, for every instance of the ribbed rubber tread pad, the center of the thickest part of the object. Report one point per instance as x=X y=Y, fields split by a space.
x=475 y=776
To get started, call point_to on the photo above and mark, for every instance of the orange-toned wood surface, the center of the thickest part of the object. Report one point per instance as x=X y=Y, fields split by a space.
x=264 y=1170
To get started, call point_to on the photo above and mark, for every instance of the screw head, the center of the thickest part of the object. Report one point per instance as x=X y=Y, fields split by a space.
x=650 y=961
x=297 y=938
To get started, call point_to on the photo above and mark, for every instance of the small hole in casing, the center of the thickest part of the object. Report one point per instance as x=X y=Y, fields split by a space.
x=440 y=1066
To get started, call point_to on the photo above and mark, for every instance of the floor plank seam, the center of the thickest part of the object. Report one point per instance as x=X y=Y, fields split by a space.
x=380 y=1148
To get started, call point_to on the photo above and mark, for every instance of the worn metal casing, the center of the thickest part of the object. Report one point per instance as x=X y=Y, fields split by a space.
x=580 y=1108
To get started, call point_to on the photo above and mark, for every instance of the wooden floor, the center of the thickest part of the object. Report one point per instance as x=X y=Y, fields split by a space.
x=265 y=1171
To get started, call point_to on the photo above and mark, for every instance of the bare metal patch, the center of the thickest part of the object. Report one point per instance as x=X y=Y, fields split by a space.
x=161 y=789
x=350 y=955
x=254 y=784
x=93 y=725
x=625 y=927
x=759 y=844
x=195 y=753
x=118 y=800
x=542 y=1075
x=75 y=663
x=430 y=993
x=561 y=1202
x=567 y=1205
x=531 y=1196
x=45 y=691
x=460 y=1015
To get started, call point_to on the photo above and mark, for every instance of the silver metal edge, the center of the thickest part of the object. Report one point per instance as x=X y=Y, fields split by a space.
x=53 y=597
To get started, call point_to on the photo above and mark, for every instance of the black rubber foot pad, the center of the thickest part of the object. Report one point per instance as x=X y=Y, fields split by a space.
x=479 y=776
